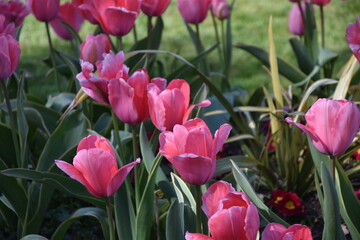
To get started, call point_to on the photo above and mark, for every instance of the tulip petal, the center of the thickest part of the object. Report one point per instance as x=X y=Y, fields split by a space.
x=220 y=137
x=116 y=15
x=183 y=86
x=199 y=141
x=168 y=148
x=193 y=169
x=120 y=176
x=94 y=141
x=353 y=37
x=196 y=236
x=213 y=196
x=175 y=107
x=204 y=103
x=273 y=231
x=297 y=232
x=156 y=107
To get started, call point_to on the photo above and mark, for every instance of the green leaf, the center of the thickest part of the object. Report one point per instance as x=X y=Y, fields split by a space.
x=7 y=149
x=264 y=211
x=343 y=86
x=175 y=221
x=124 y=214
x=318 y=157
x=97 y=213
x=331 y=211
x=23 y=128
x=303 y=58
x=224 y=165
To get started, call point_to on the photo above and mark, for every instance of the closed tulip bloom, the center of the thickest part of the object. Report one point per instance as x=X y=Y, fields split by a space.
x=116 y=17
x=154 y=8
x=13 y=11
x=6 y=28
x=111 y=67
x=128 y=97
x=44 y=10
x=331 y=125
x=231 y=214
x=353 y=37
x=321 y=2
x=86 y=13
x=95 y=167
x=295 y=23
x=193 y=11
x=170 y=106
x=9 y=55
x=191 y=149
x=221 y=9
x=69 y=14
x=276 y=231
x=93 y=48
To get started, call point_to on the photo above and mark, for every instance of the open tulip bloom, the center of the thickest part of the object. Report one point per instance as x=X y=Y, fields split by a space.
x=276 y=231
x=331 y=125
x=95 y=167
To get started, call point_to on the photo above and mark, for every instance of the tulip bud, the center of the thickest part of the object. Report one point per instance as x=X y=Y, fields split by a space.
x=353 y=38
x=221 y=9
x=193 y=11
x=93 y=48
x=44 y=10
x=9 y=55
x=276 y=231
x=296 y=23
x=154 y=8
x=321 y=2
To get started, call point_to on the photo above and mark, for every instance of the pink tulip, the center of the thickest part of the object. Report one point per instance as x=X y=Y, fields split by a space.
x=170 y=106
x=86 y=13
x=128 y=97
x=9 y=55
x=154 y=8
x=193 y=11
x=93 y=48
x=71 y=15
x=6 y=28
x=221 y=9
x=114 y=16
x=353 y=37
x=321 y=2
x=111 y=67
x=95 y=167
x=13 y=11
x=276 y=231
x=44 y=10
x=191 y=149
x=331 y=125
x=296 y=24
x=231 y=214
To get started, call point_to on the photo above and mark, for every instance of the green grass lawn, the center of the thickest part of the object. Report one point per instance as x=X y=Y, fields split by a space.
x=249 y=26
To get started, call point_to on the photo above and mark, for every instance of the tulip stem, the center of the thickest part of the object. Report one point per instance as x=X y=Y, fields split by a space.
x=302 y=14
x=322 y=17
x=110 y=217
x=12 y=122
x=52 y=56
x=217 y=38
x=120 y=43
x=118 y=138
x=332 y=167
x=198 y=208
x=136 y=168
x=135 y=33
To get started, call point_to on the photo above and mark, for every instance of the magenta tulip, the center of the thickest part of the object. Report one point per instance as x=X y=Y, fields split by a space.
x=44 y=10
x=295 y=23
x=170 y=106
x=276 y=231
x=191 y=149
x=9 y=55
x=71 y=15
x=95 y=167
x=13 y=11
x=331 y=125
x=154 y=8
x=231 y=214
x=86 y=13
x=221 y=9
x=193 y=11
x=111 y=67
x=321 y=2
x=116 y=17
x=6 y=28
x=353 y=37
x=93 y=48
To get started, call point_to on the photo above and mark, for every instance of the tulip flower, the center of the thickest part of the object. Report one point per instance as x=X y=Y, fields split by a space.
x=95 y=167
x=44 y=10
x=84 y=10
x=353 y=37
x=154 y=8
x=9 y=55
x=296 y=23
x=191 y=149
x=276 y=231
x=128 y=97
x=6 y=28
x=321 y=2
x=231 y=214
x=69 y=14
x=193 y=11
x=111 y=67
x=288 y=203
x=115 y=17
x=221 y=9
x=331 y=125
x=14 y=12
x=170 y=106
x=93 y=48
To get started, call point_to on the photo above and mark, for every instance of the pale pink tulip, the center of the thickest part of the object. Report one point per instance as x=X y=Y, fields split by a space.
x=221 y=9
x=44 y=10
x=71 y=15
x=9 y=55
x=95 y=167
x=111 y=67
x=353 y=37
x=191 y=149
x=231 y=214
x=170 y=106
x=276 y=231
x=295 y=23
x=193 y=11
x=154 y=8
x=331 y=125
x=93 y=48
